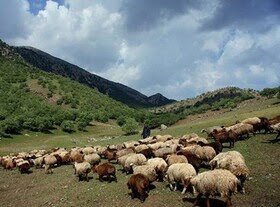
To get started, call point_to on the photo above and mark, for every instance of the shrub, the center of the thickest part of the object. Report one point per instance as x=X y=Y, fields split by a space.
x=67 y=126
x=130 y=126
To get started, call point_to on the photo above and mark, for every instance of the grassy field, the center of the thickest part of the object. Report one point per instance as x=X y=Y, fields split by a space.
x=62 y=188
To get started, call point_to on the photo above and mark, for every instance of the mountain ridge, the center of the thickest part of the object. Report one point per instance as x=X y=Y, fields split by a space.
x=117 y=91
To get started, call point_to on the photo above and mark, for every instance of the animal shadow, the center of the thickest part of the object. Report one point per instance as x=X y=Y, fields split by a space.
x=202 y=202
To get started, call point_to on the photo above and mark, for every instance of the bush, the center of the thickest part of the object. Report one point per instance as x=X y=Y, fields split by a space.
x=67 y=126
x=121 y=120
x=130 y=126
x=82 y=125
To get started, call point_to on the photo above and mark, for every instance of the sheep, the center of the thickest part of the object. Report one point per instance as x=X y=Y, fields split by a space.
x=147 y=170
x=216 y=182
x=23 y=166
x=130 y=144
x=49 y=161
x=197 y=139
x=225 y=136
x=276 y=128
x=157 y=145
x=140 y=147
x=38 y=162
x=163 y=138
x=162 y=152
x=148 y=153
x=172 y=159
x=8 y=163
x=148 y=140
x=209 y=130
x=258 y=123
x=274 y=120
x=252 y=121
x=180 y=172
x=234 y=162
x=123 y=152
x=110 y=154
x=105 y=170
x=172 y=141
x=134 y=159
x=139 y=185
x=241 y=129
x=217 y=146
x=121 y=160
x=205 y=153
x=159 y=165
x=92 y=158
x=65 y=157
x=88 y=150
x=192 y=159
x=100 y=150
x=82 y=169
x=76 y=155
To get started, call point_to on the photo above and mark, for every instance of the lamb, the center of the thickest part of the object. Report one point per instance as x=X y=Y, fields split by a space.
x=105 y=170
x=159 y=165
x=24 y=166
x=134 y=159
x=234 y=162
x=216 y=182
x=180 y=172
x=92 y=159
x=172 y=159
x=82 y=169
x=147 y=170
x=49 y=161
x=139 y=185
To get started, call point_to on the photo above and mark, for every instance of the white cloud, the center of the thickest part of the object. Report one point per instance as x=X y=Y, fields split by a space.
x=174 y=56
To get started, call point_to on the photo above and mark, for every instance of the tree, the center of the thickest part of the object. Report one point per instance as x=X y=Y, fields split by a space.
x=130 y=126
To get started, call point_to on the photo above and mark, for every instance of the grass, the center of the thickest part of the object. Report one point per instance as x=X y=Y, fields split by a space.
x=62 y=188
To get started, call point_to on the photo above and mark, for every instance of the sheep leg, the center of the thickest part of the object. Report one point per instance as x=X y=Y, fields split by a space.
x=175 y=188
x=197 y=199
x=228 y=202
x=171 y=186
x=207 y=201
x=87 y=177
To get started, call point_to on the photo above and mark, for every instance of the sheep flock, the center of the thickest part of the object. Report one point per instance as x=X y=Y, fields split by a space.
x=161 y=158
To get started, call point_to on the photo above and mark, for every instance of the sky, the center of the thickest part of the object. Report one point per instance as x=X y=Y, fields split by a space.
x=179 y=48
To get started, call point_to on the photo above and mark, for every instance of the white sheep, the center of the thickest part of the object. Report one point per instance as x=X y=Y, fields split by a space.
x=163 y=138
x=38 y=162
x=234 y=162
x=159 y=165
x=140 y=147
x=180 y=173
x=161 y=152
x=49 y=161
x=121 y=160
x=205 y=153
x=147 y=170
x=215 y=182
x=130 y=144
x=82 y=169
x=125 y=151
x=93 y=159
x=134 y=159
x=172 y=159
x=252 y=121
x=88 y=150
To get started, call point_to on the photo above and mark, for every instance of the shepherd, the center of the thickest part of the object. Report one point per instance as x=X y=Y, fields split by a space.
x=146 y=132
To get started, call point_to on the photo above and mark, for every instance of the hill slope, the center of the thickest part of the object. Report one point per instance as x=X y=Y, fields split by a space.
x=35 y=100
x=117 y=91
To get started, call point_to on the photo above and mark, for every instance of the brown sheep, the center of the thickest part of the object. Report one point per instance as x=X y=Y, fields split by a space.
x=105 y=170
x=76 y=156
x=24 y=166
x=275 y=120
x=110 y=154
x=139 y=185
x=225 y=136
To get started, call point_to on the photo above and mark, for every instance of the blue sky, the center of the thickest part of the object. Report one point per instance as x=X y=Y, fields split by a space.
x=179 y=48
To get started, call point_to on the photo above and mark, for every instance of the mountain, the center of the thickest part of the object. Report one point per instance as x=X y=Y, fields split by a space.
x=211 y=98
x=117 y=91
x=32 y=99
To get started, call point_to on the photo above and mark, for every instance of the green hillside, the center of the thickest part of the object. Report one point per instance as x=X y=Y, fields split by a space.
x=39 y=101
